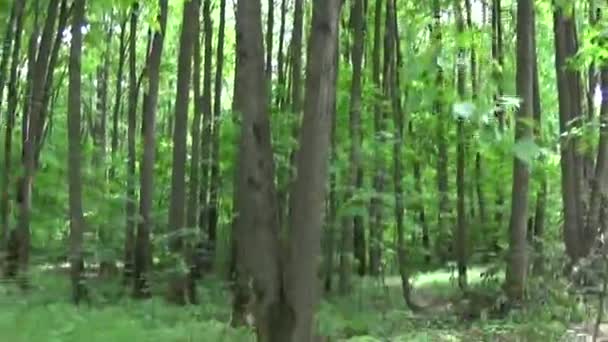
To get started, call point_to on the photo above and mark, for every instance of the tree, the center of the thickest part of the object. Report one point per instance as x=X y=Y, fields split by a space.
x=286 y=296
x=181 y=288
x=74 y=173
x=568 y=87
x=355 y=179
x=40 y=71
x=214 y=187
x=12 y=97
x=375 y=233
x=461 y=225
x=308 y=192
x=132 y=122
x=143 y=254
x=517 y=260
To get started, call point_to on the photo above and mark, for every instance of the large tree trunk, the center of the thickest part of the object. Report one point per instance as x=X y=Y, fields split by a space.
x=257 y=252
x=308 y=192
x=143 y=253
x=74 y=155
x=517 y=265
x=181 y=288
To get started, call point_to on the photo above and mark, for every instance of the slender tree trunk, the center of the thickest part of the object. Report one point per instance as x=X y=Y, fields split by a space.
x=497 y=76
x=214 y=187
x=34 y=110
x=419 y=206
x=517 y=265
x=461 y=226
x=74 y=155
x=296 y=94
x=331 y=224
x=118 y=97
x=442 y=148
x=106 y=266
x=541 y=196
x=282 y=91
x=42 y=128
x=12 y=98
x=207 y=119
x=143 y=255
x=599 y=191
x=568 y=84
x=7 y=45
x=350 y=228
x=393 y=87
x=592 y=72
x=132 y=122
x=181 y=288
x=193 y=210
x=376 y=206
x=269 y=39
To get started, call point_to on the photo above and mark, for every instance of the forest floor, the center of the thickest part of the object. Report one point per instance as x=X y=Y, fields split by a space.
x=374 y=311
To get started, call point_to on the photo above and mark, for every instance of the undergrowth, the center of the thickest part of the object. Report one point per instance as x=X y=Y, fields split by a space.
x=374 y=311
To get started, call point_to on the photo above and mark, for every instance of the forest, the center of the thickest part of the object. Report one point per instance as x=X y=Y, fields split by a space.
x=303 y=170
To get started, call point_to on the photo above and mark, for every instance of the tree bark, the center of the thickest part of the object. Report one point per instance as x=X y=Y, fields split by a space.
x=207 y=119
x=37 y=88
x=282 y=91
x=257 y=251
x=7 y=45
x=193 y=210
x=461 y=226
x=143 y=253
x=181 y=288
x=308 y=192
x=269 y=40
x=541 y=196
x=568 y=84
x=132 y=122
x=214 y=186
x=517 y=265
x=499 y=111
x=357 y=242
x=12 y=98
x=442 y=148
x=74 y=155
x=376 y=206
x=118 y=97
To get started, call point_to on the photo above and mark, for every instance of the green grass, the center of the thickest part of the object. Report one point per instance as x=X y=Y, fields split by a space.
x=372 y=312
